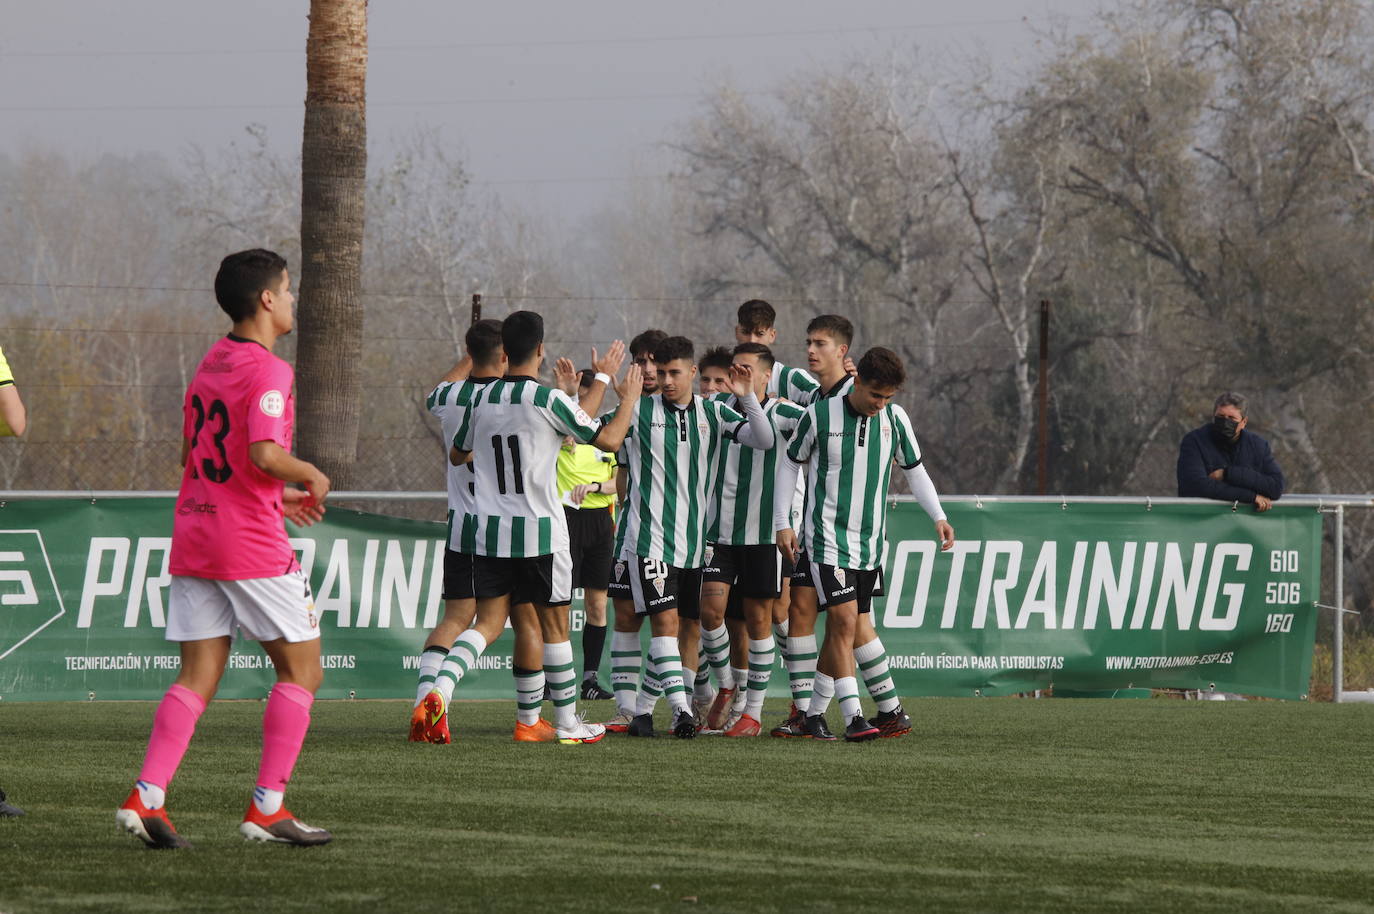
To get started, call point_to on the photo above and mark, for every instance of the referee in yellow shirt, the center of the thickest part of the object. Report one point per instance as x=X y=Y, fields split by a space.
x=585 y=483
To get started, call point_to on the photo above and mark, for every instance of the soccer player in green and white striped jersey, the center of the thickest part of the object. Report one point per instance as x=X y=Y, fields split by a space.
x=828 y=338
x=671 y=454
x=849 y=444
x=516 y=529
x=757 y=324
x=743 y=555
x=625 y=648
x=483 y=362
x=713 y=377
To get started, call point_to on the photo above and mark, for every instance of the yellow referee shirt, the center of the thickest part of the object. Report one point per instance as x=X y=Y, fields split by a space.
x=584 y=463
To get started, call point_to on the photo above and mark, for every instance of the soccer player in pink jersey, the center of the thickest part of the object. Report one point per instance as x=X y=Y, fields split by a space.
x=231 y=563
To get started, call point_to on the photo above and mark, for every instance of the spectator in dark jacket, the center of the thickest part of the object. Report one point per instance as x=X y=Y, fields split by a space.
x=1222 y=460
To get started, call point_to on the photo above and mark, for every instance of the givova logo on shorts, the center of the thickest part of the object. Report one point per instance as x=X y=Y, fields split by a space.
x=29 y=599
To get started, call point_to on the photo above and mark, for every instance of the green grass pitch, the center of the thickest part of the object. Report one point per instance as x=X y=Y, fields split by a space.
x=989 y=805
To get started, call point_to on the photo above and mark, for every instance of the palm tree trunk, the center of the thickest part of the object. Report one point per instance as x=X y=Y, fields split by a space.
x=333 y=183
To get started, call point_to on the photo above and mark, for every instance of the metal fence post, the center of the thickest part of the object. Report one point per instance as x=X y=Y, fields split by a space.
x=1338 y=631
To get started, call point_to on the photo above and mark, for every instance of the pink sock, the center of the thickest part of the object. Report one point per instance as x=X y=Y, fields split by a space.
x=283 y=731
x=173 y=725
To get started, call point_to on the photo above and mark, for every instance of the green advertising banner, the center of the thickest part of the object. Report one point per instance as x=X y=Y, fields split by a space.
x=1033 y=596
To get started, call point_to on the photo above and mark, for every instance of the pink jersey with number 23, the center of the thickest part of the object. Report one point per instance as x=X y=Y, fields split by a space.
x=229 y=523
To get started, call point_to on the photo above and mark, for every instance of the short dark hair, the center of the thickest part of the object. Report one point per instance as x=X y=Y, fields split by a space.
x=715 y=357
x=834 y=324
x=483 y=341
x=765 y=354
x=241 y=279
x=756 y=315
x=521 y=334
x=882 y=368
x=646 y=342
x=673 y=347
x=586 y=377
x=1230 y=398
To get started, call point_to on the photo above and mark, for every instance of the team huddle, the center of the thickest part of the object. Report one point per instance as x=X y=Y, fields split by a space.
x=746 y=509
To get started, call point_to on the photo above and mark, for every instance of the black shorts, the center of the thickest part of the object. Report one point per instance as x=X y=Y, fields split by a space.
x=591 y=540
x=842 y=585
x=800 y=576
x=657 y=587
x=542 y=579
x=734 y=606
x=457 y=576
x=751 y=571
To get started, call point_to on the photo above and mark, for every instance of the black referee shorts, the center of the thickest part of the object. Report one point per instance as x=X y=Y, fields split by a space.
x=591 y=542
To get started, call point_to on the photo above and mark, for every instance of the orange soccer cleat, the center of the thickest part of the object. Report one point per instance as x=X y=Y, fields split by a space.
x=540 y=732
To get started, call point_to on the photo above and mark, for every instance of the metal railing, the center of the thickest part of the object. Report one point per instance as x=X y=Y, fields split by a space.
x=1334 y=505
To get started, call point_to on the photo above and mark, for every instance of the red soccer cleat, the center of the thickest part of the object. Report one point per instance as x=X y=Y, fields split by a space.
x=745 y=726
x=151 y=826
x=435 y=713
x=282 y=828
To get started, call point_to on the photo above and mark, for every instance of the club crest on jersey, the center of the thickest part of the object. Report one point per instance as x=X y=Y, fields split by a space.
x=703 y=427
x=839 y=576
x=272 y=404
x=887 y=431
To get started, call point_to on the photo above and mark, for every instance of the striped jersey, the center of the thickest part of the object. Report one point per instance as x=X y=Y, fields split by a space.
x=448 y=402
x=742 y=506
x=839 y=389
x=849 y=461
x=793 y=384
x=514 y=429
x=672 y=455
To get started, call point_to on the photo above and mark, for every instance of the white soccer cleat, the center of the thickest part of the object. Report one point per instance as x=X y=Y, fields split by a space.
x=580 y=732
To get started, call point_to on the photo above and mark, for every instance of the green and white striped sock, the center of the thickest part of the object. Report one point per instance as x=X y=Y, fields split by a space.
x=529 y=695
x=760 y=669
x=801 y=669
x=650 y=691
x=872 y=661
x=430 y=660
x=663 y=653
x=562 y=680
x=847 y=691
x=822 y=692
x=715 y=643
x=625 y=662
x=466 y=650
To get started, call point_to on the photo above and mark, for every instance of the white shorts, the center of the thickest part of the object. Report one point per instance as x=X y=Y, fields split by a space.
x=266 y=609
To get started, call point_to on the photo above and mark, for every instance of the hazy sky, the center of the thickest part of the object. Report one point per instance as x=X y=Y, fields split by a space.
x=550 y=103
